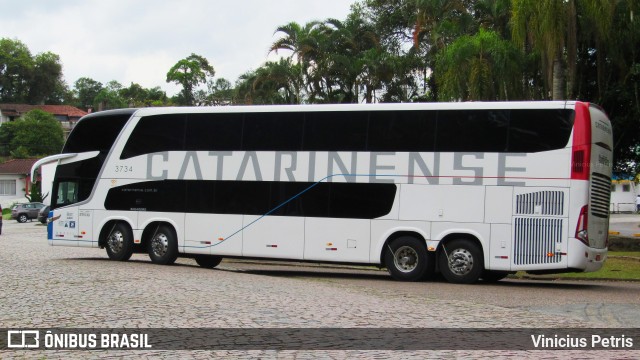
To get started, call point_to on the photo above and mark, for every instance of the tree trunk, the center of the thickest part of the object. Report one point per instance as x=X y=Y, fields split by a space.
x=558 y=80
x=572 y=49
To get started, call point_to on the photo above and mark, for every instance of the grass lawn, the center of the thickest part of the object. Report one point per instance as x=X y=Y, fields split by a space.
x=620 y=265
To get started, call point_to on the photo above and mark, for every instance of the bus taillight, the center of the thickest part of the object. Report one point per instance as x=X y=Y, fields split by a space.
x=580 y=163
x=581 y=156
x=581 y=227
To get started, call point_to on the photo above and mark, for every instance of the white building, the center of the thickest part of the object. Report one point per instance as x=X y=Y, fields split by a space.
x=623 y=195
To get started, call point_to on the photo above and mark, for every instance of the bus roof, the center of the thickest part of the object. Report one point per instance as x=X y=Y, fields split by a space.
x=343 y=107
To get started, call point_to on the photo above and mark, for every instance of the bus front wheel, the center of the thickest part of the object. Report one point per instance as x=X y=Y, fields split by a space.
x=208 y=261
x=407 y=259
x=461 y=261
x=163 y=246
x=119 y=243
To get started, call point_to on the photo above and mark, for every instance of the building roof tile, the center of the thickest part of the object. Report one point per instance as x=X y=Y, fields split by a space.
x=66 y=110
x=17 y=166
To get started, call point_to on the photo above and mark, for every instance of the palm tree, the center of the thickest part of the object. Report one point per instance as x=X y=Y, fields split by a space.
x=302 y=41
x=542 y=25
x=479 y=67
x=272 y=83
x=598 y=17
x=437 y=23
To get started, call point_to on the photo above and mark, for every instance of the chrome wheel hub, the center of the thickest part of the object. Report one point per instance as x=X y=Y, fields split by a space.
x=115 y=242
x=160 y=245
x=405 y=259
x=460 y=261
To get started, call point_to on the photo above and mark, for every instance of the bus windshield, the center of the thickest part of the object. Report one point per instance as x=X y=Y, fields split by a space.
x=97 y=132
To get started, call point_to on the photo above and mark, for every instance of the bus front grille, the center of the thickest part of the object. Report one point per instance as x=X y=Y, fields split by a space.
x=599 y=195
x=540 y=203
x=537 y=240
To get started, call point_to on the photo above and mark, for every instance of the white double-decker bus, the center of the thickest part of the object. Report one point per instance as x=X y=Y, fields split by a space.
x=472 y=190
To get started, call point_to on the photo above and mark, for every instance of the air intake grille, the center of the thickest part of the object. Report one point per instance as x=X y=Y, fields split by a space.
x=540 y=203
x=536 y=239
x=600 y=195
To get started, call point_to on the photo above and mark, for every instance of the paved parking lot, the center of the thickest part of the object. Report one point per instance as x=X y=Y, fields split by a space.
x=62 y=287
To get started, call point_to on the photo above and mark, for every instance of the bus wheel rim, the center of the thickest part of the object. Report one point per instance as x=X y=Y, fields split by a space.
x=405 y=259
x=116 y=241
x=160 y=245
x=460 y=261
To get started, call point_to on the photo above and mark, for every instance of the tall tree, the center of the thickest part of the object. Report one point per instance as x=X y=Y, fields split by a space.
x=303 y=43
x=480 y=67
x=272 y=83
x=86 y=90
x=189 y=73
x=220 y=92
x=109 y=97
x=47 y=79
x=436 y=24
x=541 y=25
x=16 y=71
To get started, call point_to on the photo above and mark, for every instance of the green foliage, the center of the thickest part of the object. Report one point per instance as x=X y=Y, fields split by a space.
x=189 y=73
x=109 y=97
x=86 y=90
x=16 y=71
x=35 y=193
x=480 y=67
x=37 y=133
x=28 y=79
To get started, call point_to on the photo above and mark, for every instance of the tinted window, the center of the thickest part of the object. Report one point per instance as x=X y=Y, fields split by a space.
x=528 y=130
x=339 y=200
x=214 y=132
x=273 y=131
x=98 y=132
x=402 y=130
x=539 y=129
x=166 y=196
x=242 y=197
x=156 y=134
x=472 y=130
x=80 y=175
x=336 y=131
x=350 y=200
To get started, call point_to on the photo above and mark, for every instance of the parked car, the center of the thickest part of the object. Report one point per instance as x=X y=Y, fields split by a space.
x=24 y=212
x=43 y=215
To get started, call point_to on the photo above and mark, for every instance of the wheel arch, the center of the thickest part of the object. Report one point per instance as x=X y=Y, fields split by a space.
x=108 y=226
x=152 y=226
x=460 y=235
x=396 y=235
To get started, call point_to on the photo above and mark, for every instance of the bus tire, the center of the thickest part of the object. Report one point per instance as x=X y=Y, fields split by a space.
x=407 y=259
x=461 y=261
x=119 y=243
x=163 y=246
x=208 y=261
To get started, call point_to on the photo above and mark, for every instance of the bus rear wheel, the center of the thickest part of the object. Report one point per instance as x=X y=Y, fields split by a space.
x=208 y=261
x=163 y=246
x=407 y=259
x=461 y=261
x=119 y=243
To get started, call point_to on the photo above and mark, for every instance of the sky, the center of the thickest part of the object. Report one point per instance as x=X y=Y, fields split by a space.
x=140 y=40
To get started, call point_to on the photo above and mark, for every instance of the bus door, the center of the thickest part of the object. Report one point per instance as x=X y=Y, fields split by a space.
x=65 y=226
